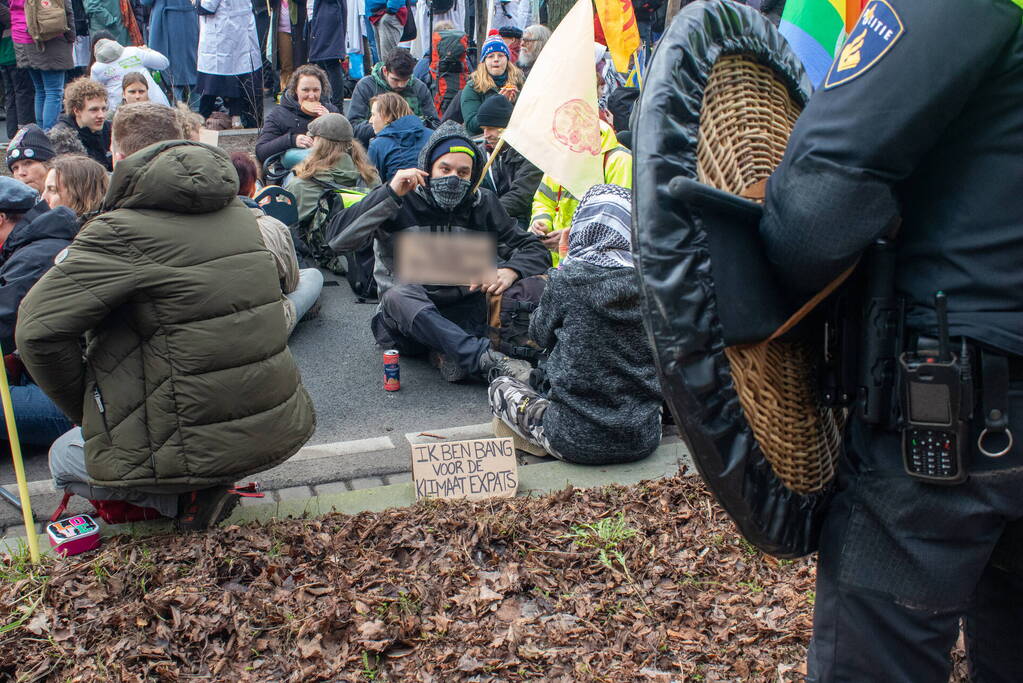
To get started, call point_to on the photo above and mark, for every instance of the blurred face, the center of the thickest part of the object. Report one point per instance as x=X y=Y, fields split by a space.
x=496 y=63
x=492 y=135
x=308 y=89
x=51 y=192
x=136 y=92
x=376 y=119
x=30 y=172
x=396 y=83
x=93 y=114
x=452 y=163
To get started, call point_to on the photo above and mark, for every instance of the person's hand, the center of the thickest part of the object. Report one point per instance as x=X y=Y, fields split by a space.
x=406 y=180
x=552 y=239
x=510 y=92
x=303 y=141
x=500 y=280
x=538 y=228
x=319 y=109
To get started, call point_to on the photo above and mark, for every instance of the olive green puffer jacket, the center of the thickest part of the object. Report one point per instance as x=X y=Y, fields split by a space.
x=187 y=380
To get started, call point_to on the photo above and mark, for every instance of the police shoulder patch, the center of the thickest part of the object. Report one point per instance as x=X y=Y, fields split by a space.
x=61 y=255
x=878 y=29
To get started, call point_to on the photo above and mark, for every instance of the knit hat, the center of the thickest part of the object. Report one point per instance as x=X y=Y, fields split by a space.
x=333 y=127
x=494 y=45
x=454 y=144
x=29 y=143
x=16 y=196
x=495 y=112
x=108 y=50
x=602 y=228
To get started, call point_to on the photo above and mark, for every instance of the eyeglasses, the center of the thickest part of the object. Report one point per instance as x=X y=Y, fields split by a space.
x=530 y=40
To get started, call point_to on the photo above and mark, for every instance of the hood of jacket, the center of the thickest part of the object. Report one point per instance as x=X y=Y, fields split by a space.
x=176 y=175
x=344 y=173
x=611 y=293
x=41 y=223
x=378 y=77
x=405 y=130
x=447 y=131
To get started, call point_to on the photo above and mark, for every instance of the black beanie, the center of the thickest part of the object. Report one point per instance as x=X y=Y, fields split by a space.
x=495 y=112
x=29 y=143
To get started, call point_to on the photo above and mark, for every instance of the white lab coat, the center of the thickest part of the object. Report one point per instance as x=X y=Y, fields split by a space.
x=140 y=59
x=228 y=45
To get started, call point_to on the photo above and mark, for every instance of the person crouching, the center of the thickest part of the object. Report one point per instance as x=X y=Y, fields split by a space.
x=604 y=401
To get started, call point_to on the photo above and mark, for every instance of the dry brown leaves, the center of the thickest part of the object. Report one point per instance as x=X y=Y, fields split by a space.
x=494 y=591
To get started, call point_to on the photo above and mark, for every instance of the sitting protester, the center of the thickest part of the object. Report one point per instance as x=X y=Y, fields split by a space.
x=554 y=206
x=394 y=74
x=620 y=105
x=533 y=40
x=286 y=126
x=604 y=401
x=301 y=288
x=83 y=128
x=180 y=306
x=134 y=88
x=495 y=76
x=29 y=155
x=77 y=182
x=399 y=135
x=32 y=235
x=449 y=322
x=512 y=177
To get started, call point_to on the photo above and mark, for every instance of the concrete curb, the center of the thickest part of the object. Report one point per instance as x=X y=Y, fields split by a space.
x=537 y=479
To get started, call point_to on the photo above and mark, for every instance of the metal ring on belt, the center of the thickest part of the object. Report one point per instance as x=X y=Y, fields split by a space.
x=980 y=444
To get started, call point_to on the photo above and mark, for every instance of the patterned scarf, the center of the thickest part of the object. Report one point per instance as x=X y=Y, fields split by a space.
x=602 y=228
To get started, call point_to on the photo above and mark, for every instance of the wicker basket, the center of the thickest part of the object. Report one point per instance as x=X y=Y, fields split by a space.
x=745 y=122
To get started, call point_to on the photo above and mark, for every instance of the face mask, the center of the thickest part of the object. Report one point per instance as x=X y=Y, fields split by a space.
x=449 y=191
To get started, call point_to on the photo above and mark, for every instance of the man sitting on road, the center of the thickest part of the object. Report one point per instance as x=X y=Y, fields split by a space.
x=511 y=176
x=392 y=75
x=83 y=128
x=186 y=383
x=450 y=322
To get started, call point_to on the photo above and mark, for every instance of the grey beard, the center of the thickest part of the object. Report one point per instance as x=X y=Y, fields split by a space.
x=526 y=59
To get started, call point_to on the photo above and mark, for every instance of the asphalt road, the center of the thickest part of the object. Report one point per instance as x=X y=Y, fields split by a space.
x=361 y=428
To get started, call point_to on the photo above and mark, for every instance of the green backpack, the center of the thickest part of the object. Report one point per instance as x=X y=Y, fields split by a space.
x=356 y=266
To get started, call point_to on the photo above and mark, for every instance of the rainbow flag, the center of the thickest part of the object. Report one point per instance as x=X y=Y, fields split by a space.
x=816 y=30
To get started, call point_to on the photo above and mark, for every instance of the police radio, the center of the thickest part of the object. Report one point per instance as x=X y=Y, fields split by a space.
x=937 y=403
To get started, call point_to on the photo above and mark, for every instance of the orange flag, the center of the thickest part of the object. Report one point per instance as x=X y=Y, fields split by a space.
x=620 y=30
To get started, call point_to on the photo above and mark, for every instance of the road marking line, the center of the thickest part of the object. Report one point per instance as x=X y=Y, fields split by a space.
x=481 y=431
x=35 y=488
x=329 y=450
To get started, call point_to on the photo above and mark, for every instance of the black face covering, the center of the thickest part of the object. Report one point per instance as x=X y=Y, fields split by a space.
x=449 y=191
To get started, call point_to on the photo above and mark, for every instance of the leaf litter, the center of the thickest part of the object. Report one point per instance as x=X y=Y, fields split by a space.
x=641 y=583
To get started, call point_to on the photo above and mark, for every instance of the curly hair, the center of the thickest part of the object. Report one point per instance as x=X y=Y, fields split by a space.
x=80 y=90
x=317 y=73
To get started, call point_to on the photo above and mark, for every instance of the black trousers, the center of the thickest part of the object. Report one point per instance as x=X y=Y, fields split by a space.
x=19 y=96
x=901 y=562
x=336 y=76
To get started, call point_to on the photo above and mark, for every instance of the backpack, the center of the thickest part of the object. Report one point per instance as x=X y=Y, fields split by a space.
x=449 y=67
x=45 y=19
x=357 y=266
x=278 y=203
x=508 y=319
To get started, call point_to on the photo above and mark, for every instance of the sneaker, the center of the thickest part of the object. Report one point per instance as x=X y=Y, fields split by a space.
x=449 y=369
x=198 y=510
x=496 y=364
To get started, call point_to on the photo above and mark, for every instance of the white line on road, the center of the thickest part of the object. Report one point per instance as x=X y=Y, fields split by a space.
x=480 y=431
x=330 y=450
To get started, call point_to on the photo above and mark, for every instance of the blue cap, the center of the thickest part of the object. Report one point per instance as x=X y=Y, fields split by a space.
x=16 y=196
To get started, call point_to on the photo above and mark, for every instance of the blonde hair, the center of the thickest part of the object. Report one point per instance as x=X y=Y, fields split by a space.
x=81 y=182
x=392 y=106
x=326 y=154
x=189 y=122
x=482 y=82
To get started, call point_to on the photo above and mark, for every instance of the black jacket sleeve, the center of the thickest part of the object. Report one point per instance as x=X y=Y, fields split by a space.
x=274 y=138
x=835 y=191
x=358 y=107
x=427 y=109
x=518 y=201
x=354 y=227
x=22 y=270
x=516 y=249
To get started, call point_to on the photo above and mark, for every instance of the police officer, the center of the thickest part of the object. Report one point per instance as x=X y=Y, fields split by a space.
x=920 y=119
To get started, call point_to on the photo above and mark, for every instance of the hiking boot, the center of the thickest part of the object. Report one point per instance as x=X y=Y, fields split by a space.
x=449 y=369
x=496 y=364
x=198 y=510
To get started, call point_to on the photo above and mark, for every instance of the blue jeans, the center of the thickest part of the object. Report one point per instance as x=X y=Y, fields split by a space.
x=38 y=419
x=310 y=284
x=49 y=87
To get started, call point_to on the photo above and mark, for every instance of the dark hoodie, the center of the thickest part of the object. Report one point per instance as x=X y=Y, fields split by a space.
x=282 y=125
x=26 y=255
x=382 y=214
x=415 y=93
x=397 y=146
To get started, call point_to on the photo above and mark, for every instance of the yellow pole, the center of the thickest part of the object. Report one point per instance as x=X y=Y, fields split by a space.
x=493 y=158
x=19 y=465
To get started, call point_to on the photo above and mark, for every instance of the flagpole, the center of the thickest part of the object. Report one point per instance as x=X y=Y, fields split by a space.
x=490 y=162
x=19 y=466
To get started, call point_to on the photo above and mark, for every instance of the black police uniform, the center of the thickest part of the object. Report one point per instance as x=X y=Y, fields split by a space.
x=920 y=117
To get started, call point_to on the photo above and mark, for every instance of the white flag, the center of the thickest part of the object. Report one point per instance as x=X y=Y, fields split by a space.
x=555 y=123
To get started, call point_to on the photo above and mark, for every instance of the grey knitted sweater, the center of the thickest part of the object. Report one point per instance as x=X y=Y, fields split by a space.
x=605 y=399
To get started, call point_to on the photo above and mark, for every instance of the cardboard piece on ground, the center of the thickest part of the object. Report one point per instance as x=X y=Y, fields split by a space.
x=424 y=258
x=209 y=137
x=474 y=469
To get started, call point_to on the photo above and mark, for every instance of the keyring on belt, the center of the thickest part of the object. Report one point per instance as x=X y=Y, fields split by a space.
x=980 y=444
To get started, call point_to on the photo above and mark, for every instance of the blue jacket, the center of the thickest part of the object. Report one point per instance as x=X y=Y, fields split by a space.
x=397 y=146
x=390 y=6
x=174 y=33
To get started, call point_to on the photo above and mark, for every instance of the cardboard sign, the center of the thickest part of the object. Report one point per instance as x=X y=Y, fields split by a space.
x=209 y=137
x=476 y=469
x=426 y=258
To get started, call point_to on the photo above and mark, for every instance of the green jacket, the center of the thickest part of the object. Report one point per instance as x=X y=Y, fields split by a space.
x=308 y=192
x=186 y=380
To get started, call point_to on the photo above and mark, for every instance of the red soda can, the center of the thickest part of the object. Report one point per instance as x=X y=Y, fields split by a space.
x=391 y=375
